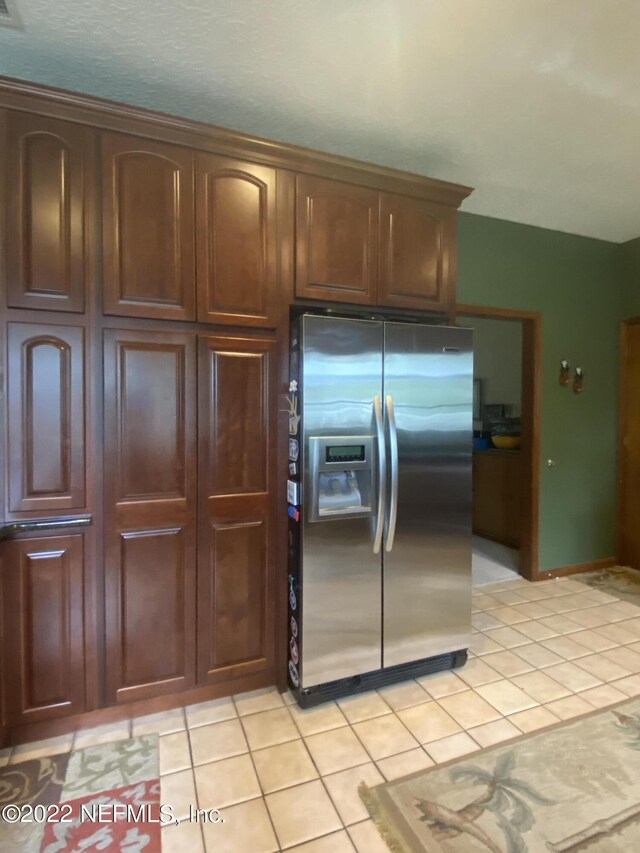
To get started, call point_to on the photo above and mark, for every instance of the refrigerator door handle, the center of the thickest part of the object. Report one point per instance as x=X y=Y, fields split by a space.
x=393 y=455
x=382 y=470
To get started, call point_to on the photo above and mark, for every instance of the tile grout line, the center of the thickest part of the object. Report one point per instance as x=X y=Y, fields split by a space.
x=193 y=776
x=317 y=769
x=263 y=796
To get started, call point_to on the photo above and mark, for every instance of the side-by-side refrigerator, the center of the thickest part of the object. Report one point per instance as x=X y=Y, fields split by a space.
x=379 y=503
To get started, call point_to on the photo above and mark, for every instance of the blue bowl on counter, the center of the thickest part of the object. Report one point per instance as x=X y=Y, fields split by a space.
x=480 y=443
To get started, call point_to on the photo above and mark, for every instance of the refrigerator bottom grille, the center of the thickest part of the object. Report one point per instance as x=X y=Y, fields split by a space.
x=311 y=696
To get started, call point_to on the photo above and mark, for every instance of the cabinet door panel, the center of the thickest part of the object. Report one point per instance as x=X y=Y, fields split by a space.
x=336 y=241
x=497 y=496
x=237 y=507
x=44 y=644
x=417 y=253
x=46 y=165
x=237 y=432
x=148 y=229
x=150 y=455
x=153 y=606
x=236 y=252
x=46 y=403
x=238 y=560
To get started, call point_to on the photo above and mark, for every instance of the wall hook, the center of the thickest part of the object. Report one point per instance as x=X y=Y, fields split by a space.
x=564 y=372
x=578 y=381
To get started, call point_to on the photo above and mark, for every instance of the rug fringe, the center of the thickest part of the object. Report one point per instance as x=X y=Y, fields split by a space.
x=375 y=812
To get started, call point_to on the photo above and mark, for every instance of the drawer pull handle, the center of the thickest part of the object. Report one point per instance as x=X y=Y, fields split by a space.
x=36 y=525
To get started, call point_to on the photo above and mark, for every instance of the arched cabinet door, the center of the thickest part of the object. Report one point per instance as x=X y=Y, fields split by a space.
x=236 y=242
x=46 y=177
x=46 y=418
x=336 y=241
x=417 y=253
x=148 y=229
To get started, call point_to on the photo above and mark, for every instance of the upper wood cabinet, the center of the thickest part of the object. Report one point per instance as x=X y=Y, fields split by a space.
x=148 y=228
x=336 y=241
x=46 y=418
x=43 y=596
x=45 y=246
x=417 y=253
x=362 y=246
x=236 y=242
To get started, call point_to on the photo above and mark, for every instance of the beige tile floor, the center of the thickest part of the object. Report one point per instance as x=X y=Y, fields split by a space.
x=287 y=779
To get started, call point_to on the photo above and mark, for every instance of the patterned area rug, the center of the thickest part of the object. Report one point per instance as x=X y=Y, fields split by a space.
x=572 y=787
x=103 y=798
x=621 y=581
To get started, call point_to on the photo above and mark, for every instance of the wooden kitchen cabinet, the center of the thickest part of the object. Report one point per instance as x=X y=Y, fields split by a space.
x=179 y=587
x=46 y=165
x=46 y=418
x=43 y=649
x=150 y=501
x=497 y=495
x=148 y=228
x=417 y=253
x=336 y=241
x=236 y=242
x=237 y=507
x=358 y=245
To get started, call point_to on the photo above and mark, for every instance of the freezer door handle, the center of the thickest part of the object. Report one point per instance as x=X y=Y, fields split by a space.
x=393 y=457
x=382 y=470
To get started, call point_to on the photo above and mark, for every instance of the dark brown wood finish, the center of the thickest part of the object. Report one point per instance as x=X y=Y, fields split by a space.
x=148 y=229
x=628 y=545
x=417 y=253
x=530 y=415
x=127 y=186
x=46 y=418
x=336 y=241
x=139 y=708
x=100 y=113
x=497 y=492
x=45 y=253
x=237 y=507
x=236 y=242
x=44 y=624
x=150 y=453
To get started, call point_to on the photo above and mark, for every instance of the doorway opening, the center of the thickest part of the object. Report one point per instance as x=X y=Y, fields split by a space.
x=506 y=450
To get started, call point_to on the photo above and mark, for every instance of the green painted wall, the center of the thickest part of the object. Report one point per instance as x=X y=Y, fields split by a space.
x=631 y=260
x=580 y=287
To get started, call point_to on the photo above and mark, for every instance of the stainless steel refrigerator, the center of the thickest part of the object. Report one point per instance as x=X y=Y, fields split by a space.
x=380 y=503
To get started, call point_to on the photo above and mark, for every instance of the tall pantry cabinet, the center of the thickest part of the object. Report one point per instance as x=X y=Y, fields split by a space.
x=179 y=507
x=189 y=418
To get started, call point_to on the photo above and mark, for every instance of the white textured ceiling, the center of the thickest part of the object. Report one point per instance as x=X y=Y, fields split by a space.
x=536 y=103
